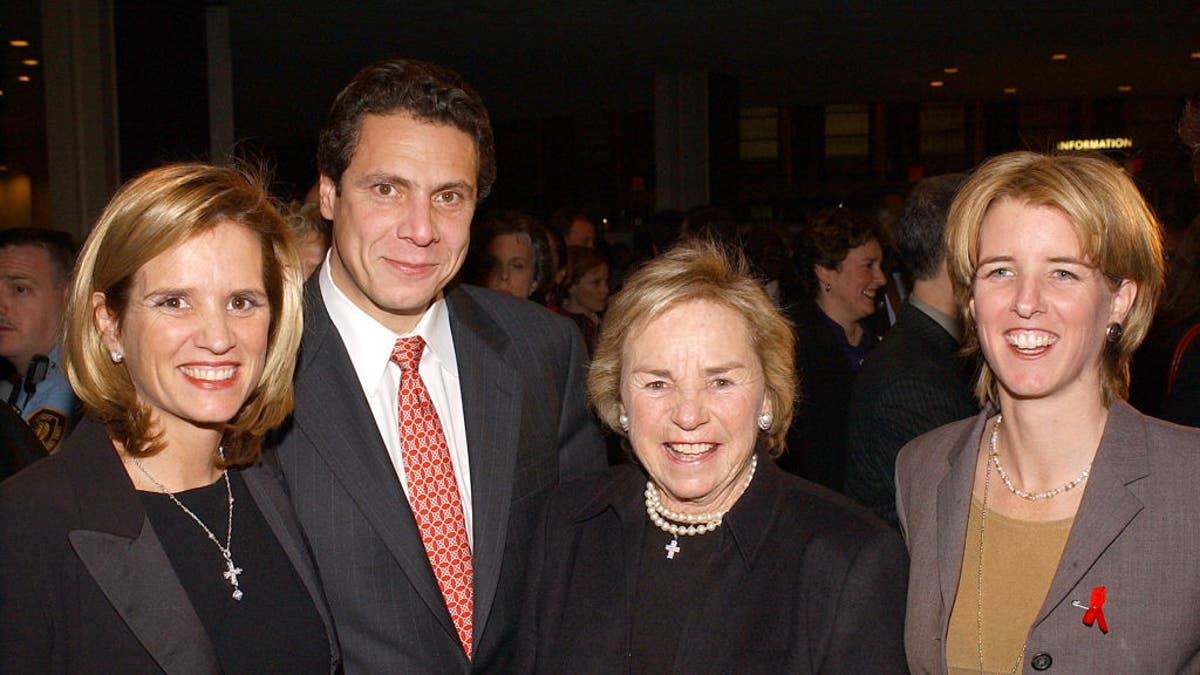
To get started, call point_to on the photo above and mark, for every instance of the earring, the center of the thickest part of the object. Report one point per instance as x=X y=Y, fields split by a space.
x=828 y=288
x=1114 y=332
x=117 y=357
x=623 y=420
x=765 y=421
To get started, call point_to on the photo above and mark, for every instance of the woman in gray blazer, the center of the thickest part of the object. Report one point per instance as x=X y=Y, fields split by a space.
x=1059 y=528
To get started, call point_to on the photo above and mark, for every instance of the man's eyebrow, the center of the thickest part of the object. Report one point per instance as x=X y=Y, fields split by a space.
x=382 y=177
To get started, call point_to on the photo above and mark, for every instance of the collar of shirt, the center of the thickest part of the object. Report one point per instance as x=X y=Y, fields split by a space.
x=370 y=343
x=948 y=323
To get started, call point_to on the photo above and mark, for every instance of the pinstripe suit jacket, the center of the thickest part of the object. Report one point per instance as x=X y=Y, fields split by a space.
x=913 y=382
x=1137 y=533
x=527 y=427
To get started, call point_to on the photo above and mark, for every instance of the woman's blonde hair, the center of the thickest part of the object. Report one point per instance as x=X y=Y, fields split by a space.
x=696 y=270
x=1116 y=229
x=150 y=214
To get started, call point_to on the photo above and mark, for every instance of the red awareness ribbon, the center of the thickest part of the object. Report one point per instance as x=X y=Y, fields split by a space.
x=1095 y=612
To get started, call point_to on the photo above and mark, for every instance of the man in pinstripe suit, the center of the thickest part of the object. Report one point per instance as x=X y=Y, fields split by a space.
x=405 y=156
x=913 y=381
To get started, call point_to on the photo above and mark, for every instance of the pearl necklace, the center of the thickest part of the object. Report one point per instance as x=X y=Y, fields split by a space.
x=994 y=456
x=231 y=570
x=695 y=523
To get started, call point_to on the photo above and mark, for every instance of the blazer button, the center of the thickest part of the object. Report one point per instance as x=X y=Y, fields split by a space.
x=1041 y=661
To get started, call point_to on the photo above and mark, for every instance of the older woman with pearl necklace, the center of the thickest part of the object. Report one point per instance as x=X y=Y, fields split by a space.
x=705 y=556
x=1058 y=529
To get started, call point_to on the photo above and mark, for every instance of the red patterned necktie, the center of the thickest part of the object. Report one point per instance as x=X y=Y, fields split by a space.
x=432 y=490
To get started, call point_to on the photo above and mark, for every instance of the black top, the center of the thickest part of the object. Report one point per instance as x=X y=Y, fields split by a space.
x=275 y=627
x=666 y=576
x=799 y=580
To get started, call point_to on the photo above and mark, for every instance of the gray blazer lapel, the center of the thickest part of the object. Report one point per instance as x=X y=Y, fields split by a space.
x=333 y=416
x=953 y=508
x=1107 y=506
x=491 y=393
x=138 y=580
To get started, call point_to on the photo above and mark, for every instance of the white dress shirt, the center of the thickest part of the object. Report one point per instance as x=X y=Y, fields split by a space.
x=370 y=345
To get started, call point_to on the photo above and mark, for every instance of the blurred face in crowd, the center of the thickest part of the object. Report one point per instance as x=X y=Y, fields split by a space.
x=33 y=298
x=590 y=293
x=401 y=216
x=583 y=233
x=195 y=331
x=692 y=387
x=512 y=265
x=312 y=246
x=848 y=292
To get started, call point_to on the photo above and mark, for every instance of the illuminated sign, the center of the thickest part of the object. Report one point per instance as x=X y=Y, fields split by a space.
x=1095 y=144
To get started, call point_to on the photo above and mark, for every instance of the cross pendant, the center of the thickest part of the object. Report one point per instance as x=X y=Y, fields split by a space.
x=231 y=573
x=671 y=549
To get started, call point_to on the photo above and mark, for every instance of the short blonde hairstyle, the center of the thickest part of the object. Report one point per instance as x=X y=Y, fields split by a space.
x=1116 y=229
x=149 y=215
x=696 y=270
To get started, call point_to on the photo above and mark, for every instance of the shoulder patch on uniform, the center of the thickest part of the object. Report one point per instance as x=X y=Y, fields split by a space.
x=49 y=425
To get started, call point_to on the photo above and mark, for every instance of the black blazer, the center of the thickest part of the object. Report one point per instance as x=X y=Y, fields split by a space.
x=806 y=582
x=913 y=382
x=817 y=438
x=85 y=585
x=522 y=371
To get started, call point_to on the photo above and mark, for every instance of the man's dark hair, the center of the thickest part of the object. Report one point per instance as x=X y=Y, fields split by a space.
x=58 y=244
x=920 y=229
x=428 y=92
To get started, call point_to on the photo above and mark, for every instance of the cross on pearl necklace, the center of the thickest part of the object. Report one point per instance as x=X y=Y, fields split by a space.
x=672 y=548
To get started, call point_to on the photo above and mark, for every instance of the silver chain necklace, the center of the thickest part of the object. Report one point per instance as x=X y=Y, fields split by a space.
x=231 y=570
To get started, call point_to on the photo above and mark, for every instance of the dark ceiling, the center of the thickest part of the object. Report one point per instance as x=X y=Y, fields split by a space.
x=533 y=59
x=539 y=59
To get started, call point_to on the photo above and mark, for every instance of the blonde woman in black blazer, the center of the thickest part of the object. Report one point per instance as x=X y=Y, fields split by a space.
x=1059 y=529
x=155 y=540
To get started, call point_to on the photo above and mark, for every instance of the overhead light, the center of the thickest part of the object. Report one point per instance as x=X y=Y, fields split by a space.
x=1010 y=90
x=1058 y=57
x=19 y=43
x=950 y=71
x=937 y=83
x=1124 y=88
x=23 y=78
x=30 y=62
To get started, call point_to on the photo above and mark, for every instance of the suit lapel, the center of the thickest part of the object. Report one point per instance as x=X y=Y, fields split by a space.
x=491 y=396
x=268 y=495
x=333 y=415
x=1107 y=506
x=137 y=578
x=953 y=507
x=120 y=550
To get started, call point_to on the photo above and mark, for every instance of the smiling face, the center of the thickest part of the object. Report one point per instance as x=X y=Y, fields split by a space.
x=692 y=387
x=195 y=331
x=402 y=219
x=853 y=285
x=512 y=266
x=1040 y=307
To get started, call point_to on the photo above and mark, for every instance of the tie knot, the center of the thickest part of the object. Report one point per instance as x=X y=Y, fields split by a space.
x=407 y=352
